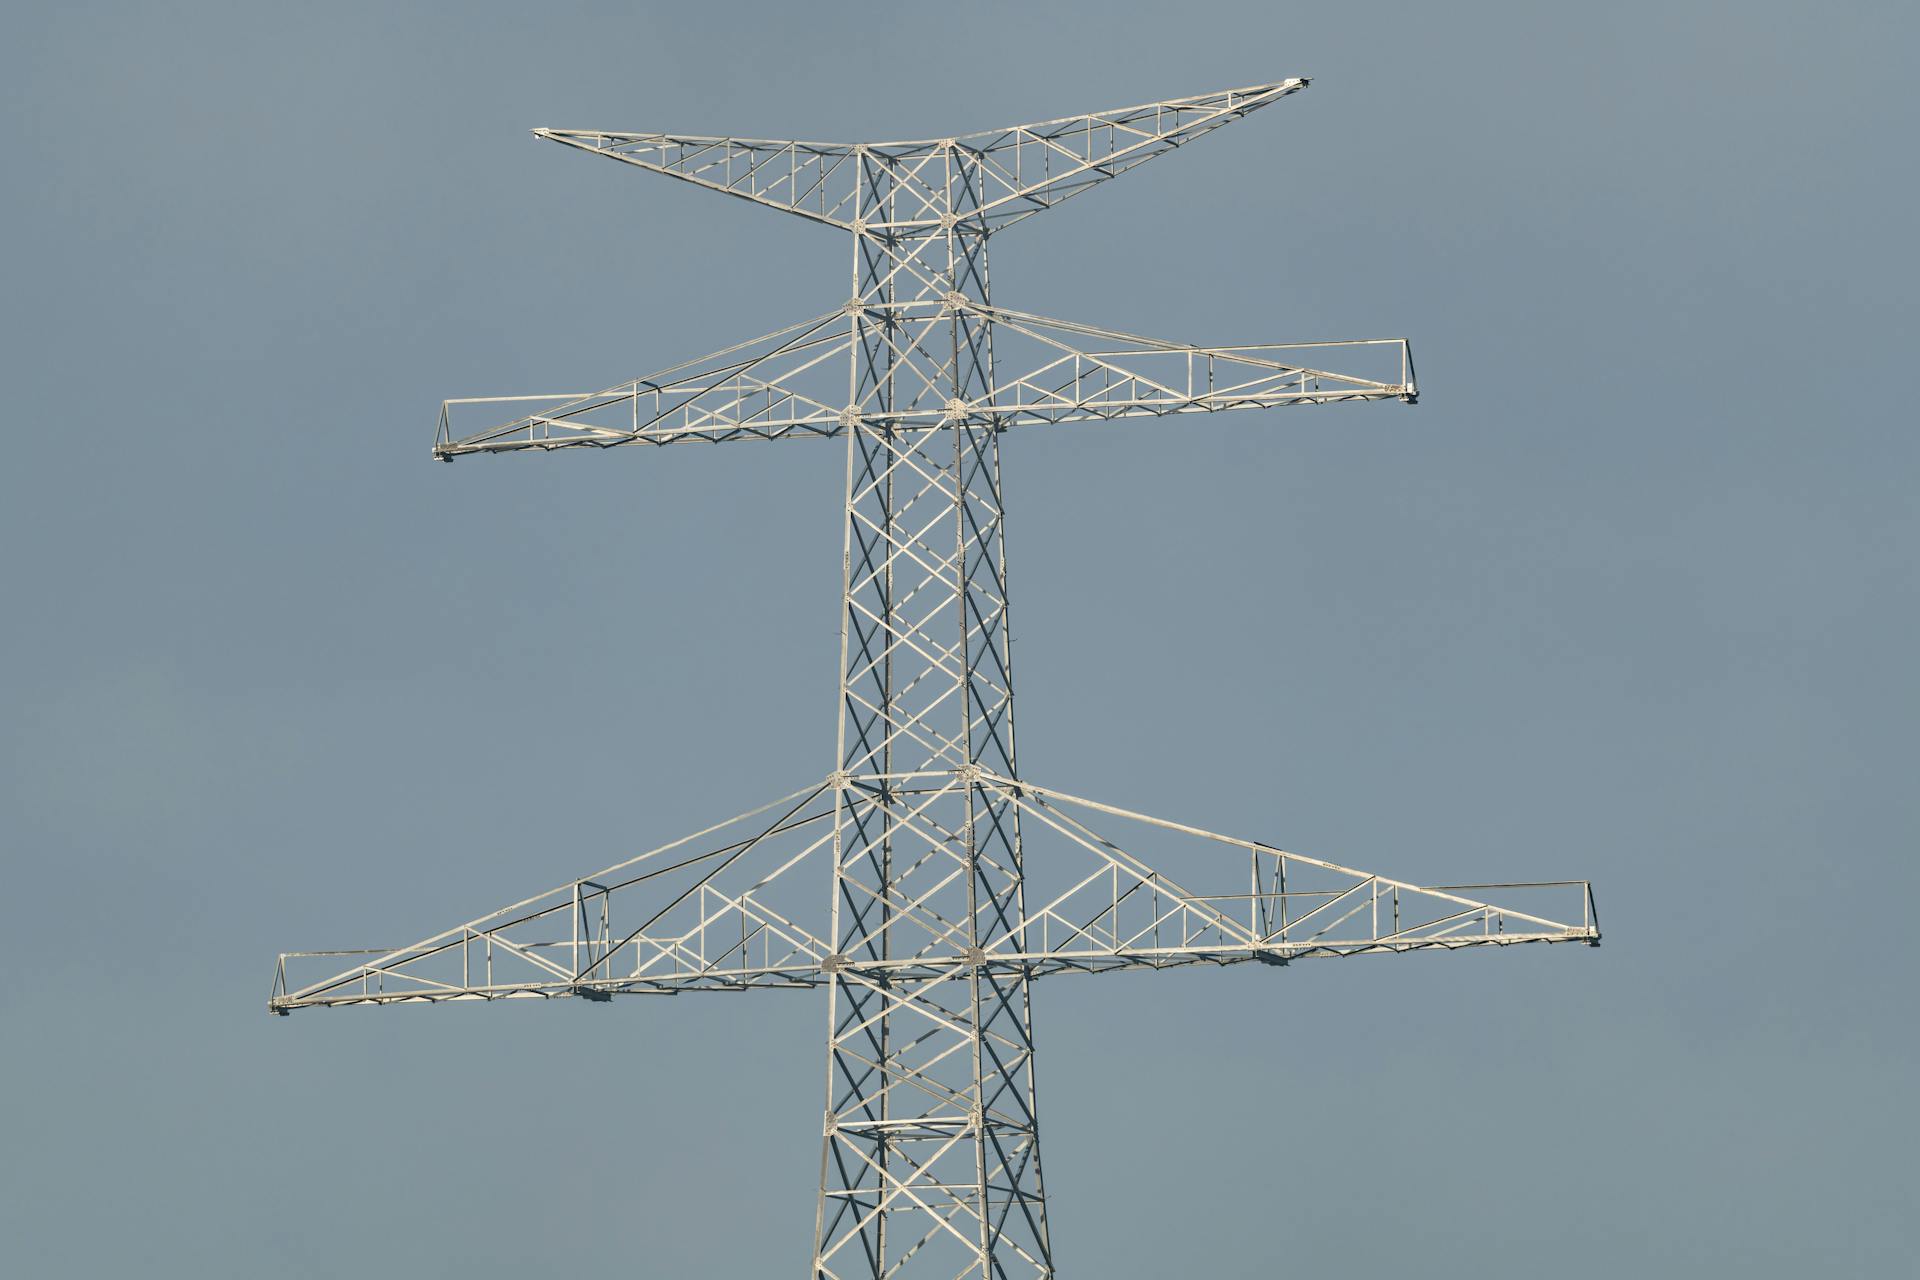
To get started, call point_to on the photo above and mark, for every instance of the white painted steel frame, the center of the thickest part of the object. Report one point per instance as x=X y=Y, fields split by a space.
x=940 y=916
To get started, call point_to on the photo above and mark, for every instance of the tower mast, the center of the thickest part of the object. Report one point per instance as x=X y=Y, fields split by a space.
x=955 y=881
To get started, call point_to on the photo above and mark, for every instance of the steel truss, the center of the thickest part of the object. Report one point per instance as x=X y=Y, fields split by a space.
x=955 y=882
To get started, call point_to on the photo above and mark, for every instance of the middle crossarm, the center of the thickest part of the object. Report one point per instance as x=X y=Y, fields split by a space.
x=790 y=384
x=1061 y=371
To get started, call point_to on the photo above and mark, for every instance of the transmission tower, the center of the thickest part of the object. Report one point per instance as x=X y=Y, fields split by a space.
x=953 y=882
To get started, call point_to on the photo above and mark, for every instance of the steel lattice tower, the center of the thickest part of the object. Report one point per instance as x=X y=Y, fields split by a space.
x=955 y=883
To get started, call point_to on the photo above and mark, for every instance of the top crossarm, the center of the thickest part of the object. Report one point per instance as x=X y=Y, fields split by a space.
x=812 y=179
x=1026 y=168
x=989 y=179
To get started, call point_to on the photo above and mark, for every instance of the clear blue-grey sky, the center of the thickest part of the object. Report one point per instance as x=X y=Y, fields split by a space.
x=1630 y=595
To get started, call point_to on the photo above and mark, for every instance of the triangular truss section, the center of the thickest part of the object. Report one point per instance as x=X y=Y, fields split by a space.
x=812 y=179
x=1027 y=168
x=1145 y=892
x=1063 y=371
x=786 y=384
x=724 y=909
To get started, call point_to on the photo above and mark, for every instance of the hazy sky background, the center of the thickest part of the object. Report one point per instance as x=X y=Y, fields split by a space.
x=1629 y=595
